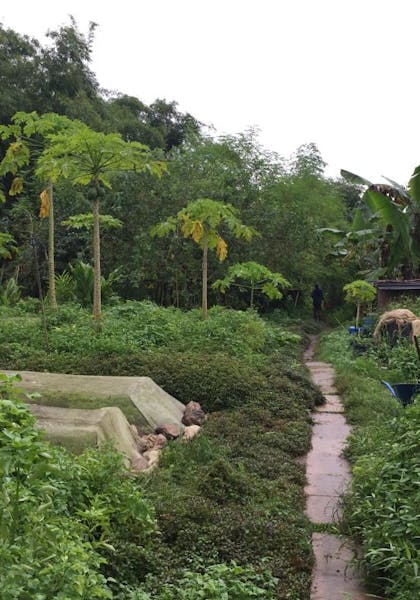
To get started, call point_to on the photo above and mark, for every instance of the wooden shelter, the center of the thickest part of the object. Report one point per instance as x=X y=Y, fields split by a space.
x=390 y=290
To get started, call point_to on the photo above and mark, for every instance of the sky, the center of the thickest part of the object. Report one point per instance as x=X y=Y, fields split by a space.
x=338 y=73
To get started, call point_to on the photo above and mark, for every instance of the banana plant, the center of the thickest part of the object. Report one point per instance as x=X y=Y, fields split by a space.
x=386 y=225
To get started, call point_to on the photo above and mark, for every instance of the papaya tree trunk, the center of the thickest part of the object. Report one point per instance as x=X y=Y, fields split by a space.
x=96 y=266
x=176 y=290
x=204 y=286
x=358 y=314
x=252 y=296
x=51 y=250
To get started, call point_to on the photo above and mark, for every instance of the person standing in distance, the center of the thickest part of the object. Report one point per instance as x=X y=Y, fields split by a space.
x=317 y=296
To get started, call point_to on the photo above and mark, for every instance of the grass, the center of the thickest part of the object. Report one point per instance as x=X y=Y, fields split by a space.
x=381 y=510
x=235 y=493
x=330 y=528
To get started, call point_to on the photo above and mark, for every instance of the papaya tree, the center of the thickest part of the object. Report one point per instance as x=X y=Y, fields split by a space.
x=255 y=277
x=359 y=292
x=85 y=221
x=89 y=158
x=201 y=220
x=27 y=135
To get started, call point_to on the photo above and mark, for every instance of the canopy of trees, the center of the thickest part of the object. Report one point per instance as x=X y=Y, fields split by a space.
x=289 y=202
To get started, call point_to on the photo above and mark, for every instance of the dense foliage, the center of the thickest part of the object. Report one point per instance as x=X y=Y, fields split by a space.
x=230 y=505
x=60 y=515
x=223 y=516
x=286 y=201
x=381 y=510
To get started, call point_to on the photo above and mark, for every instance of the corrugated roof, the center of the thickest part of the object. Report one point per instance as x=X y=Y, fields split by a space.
x=397 y=284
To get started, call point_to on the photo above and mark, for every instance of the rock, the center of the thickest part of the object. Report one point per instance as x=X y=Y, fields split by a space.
x=153 y=440
x=170 y=430
x=190 y=432
x=140 y=463
x=193 y=414
x=152 y=457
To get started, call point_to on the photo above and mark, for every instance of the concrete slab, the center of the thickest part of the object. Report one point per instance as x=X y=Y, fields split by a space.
x=327 y=471
x=334 y=578
x=326 y=484
x=328 y=475
x=317 y=364
x=323 y=375
x=156 y=407
x=332 y=404
x=326 y=384
x=323 y=509
x=332 y=426
x=77 y=429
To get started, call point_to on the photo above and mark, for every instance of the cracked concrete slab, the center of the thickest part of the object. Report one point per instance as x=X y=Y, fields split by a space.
x=155 y=406
x=328 y=475
x=334 y=576
x=332 y=404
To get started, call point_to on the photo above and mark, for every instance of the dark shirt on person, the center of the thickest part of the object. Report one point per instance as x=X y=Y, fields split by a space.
x=317 y=297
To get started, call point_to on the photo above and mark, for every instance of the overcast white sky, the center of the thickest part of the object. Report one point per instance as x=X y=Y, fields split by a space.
x=341 y=73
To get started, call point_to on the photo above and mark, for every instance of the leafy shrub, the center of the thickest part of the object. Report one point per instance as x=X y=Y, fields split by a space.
x=43 y=552
x=59 y=516
x=216 y=381
x=222 y=483
x=224 y=581
x=383 y=509
x=235 y=493
x=28 y=305
x=64 y=287
x=10 y=293
x=134 y=327
x=401 y=359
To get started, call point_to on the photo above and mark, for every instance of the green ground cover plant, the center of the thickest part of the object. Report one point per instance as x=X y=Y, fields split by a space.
x=381 y=510
x=141 y=327
x=236 y=493
x=231 y=582
x=229 y=506
x=61 y=515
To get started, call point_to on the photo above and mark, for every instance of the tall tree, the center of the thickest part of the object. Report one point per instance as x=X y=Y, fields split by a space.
x=89 y=158
x=69 y=87
x=202 y=220
x=28 y=136
x=20 y=73
x=51 y=78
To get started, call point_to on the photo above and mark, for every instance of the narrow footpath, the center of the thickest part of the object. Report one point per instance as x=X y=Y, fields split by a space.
x=328 y=475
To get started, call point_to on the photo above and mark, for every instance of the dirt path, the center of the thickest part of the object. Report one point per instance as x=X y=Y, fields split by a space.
x=328 y=475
